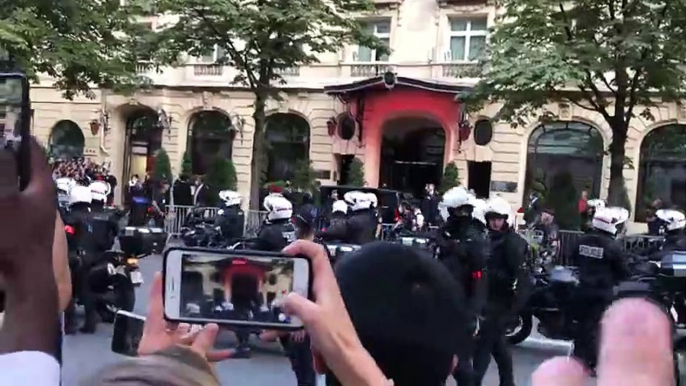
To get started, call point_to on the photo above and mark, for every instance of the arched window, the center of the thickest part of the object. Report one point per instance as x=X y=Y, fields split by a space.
x=66 y=140
x=662 y=169
x=559 y=151
x=288 y=141
x=211 y=136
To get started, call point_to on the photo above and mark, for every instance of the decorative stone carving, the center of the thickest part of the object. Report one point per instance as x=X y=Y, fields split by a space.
x=565 y=111
x=206 y=100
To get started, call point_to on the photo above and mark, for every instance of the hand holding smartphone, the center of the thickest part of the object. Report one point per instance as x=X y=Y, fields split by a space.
x=15 y=117
x=235 y=288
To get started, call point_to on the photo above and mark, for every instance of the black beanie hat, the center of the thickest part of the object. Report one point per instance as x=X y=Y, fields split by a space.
x=406 y=307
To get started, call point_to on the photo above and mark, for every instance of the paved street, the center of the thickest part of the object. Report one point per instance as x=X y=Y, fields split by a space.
x=86 y=354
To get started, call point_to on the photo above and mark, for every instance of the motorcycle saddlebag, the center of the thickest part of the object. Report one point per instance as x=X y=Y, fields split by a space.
x=142 y=240
x=673 y=270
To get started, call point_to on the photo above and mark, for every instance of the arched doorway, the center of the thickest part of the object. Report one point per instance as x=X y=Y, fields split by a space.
x=66 y=140
x=412 y=154
x=662 y=169
x=288 y=141
x=143 y=140
x=210 y=136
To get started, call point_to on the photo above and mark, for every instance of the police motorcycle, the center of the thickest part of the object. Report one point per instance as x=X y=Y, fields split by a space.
x=112 y=278
x=63 y=186
x=199 y=229
x=553 y=299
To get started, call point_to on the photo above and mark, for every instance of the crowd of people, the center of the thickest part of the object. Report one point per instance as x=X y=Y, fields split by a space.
x=387 y=315
x=84 y=171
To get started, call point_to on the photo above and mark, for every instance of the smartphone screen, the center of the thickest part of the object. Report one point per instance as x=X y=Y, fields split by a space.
x=240 y=288
x=128 y=331
x=15 y=114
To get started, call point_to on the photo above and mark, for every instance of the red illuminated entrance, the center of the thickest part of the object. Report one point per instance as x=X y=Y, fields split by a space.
x=408 y=130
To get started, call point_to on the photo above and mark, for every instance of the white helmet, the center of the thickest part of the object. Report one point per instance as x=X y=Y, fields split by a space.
x=596 y=203
x=357 y=200
x=230 y=197
x=499 y=206
x=99 y=190
x=480 y=209
x=373 y=200
x=339 y=206
x=607 y=219
x=673 y=219
x=278 y=207
x=65 y=184
x=457 y=197
x=80 y=194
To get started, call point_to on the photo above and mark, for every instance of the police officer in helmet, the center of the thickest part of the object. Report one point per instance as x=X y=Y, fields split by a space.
x=507 y=278
x=673 y=224
x=464 y=250
x=231 y=218
x=361 y=225
x=278 y=231
x=602 y=265
x=81 y=256
x=338 y=225
x=479 y=215
x=105 y=223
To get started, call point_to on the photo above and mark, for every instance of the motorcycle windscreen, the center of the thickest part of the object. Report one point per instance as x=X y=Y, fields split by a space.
x=674 y=264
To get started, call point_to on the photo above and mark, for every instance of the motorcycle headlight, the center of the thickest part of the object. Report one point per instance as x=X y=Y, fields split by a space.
x=132 y=261
x=220 y=212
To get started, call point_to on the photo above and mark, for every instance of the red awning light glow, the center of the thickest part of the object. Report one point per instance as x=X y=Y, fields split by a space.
x=520 y=210
x=239 y=262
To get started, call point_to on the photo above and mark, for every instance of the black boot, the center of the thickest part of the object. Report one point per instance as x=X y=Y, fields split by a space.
x=90 y=323
x=70 y=323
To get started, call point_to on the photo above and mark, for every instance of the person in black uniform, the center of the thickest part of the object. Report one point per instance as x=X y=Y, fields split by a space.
x=361 y=226
x=673 y=224
x=82 y=254
x=507 y=279
x=464 y=250
x=337 y=231
x=231 y=218
x=105 y=223
x=602 y=265
x=277 y=231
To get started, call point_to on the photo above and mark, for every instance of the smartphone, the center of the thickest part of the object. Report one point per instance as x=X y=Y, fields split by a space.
x=128 y=331
x=237 y=288
x=15 y=121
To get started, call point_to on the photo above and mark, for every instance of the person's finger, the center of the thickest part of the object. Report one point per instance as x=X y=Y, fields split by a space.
x=304 y=309
x=318 y=362
x=205 y=340
x=155 y=320
x=323 y=279
x=559 y=371
x=219 y=355
x=189 y=337
x=41 y=185
x=636 y=345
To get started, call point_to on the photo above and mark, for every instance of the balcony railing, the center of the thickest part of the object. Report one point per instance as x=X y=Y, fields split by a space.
x=288 y=71
x=459 y=70
x=368 y=69
x=142 y=68
x=207 y=70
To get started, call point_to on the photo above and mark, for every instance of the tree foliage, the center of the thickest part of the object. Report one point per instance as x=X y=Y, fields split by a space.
x=222 y=176
x=186 y=164
x=356 y=173
x=618 y=58
x=451 y=178
x=162 y=170
x=79 y=43
x=260 y=38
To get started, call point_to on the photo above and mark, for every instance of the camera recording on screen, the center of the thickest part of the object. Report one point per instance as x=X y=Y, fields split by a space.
x=250 y=289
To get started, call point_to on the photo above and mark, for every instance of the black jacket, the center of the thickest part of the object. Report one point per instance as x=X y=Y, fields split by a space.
x=231 y=222
x=105 y=228
x=508 y=277
x=275 y=236
x=361 y=227
x=337 y=229
x=465 y=250
x=602 y=263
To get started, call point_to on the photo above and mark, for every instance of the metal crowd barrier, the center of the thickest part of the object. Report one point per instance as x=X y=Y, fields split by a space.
x=176 y=218
x=569 y=240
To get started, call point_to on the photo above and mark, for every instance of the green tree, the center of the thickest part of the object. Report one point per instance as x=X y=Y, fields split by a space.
x=186 y=164
x=162 y=170
x=451 y=178
x=616 y=58
x=222 y=176
x=274 y=35
x=356 y=173
x=79 y=43
x=562 y=198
